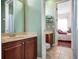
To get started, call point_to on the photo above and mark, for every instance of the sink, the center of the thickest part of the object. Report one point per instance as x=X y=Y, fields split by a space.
x=12 y=34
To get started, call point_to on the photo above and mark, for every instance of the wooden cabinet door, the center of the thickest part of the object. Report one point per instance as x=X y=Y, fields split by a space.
x=30 y=48
x=13 y=50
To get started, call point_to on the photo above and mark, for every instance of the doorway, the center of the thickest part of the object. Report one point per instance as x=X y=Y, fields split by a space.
x=64 y=12
x=58 y=16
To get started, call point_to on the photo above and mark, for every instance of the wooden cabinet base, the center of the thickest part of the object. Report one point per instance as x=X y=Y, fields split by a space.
x=24 y=49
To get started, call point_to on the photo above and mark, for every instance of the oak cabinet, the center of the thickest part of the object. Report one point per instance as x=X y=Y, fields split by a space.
x=23 y=49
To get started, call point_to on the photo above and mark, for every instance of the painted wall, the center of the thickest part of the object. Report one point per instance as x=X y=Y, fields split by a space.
x=18 y=16
x=50 y=8
x=33 y=20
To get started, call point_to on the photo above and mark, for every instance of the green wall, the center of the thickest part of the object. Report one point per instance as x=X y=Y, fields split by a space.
x=18 y=16
x=50 y=8
x=33 y=19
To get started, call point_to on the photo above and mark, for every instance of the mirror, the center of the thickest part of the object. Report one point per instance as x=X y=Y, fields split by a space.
x=9 y=21
x=12 y=16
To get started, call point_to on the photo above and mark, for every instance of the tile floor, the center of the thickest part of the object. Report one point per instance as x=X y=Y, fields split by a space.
x=59 y=52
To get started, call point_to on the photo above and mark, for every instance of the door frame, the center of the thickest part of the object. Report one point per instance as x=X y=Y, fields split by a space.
x=74 y=30
x=43 y=29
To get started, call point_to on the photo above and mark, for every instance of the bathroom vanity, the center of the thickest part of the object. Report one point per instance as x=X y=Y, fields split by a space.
x=21 y=46
x=49 y=38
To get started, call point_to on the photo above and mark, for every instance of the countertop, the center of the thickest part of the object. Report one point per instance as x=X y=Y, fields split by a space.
x=48 y=32
x=18 y=36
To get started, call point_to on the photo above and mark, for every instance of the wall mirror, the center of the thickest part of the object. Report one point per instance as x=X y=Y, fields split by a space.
x=12 y=16
x=9 y=17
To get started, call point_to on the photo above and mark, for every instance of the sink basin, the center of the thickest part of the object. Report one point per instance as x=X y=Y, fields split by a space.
x=12 y=34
